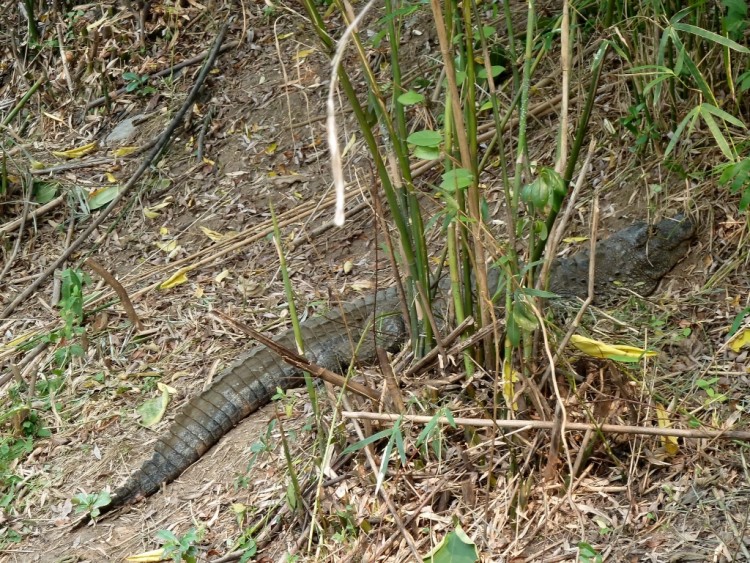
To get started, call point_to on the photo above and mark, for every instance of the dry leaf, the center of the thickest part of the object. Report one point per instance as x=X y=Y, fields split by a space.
x=671 y=448
x=616 y=352
x=740 y=340
x=77 y=152
x=178 y=278
x=147 y=556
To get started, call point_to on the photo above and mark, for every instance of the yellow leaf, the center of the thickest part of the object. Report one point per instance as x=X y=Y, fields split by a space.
x=285 y=36
x=740 y=340
x=153 y=211
x=198 y=293
x=671 y=447
x=123 y=151
x=304 y=53
x=208 y=161
x=168 y=246
x=221 y=276
x=178 y=278
x=111 y=178
x=510 y=378
x=213 y=235
x=163 y=231
x=18 y=341
x=575 y=239
x=77 y=152
x=617 y=352
x=36 y=165
x=271 y=149
x=147 y=556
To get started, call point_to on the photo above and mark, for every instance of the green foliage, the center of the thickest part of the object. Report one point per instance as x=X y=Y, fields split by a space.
x=71 y=312
x=395 y=439
x=735 y=20
x=348 y=526
x=708 y=387
x=736 y=176
x=455 y=547
x=587 y=554
x=181 y=548
x=431 y=435
x=91 y=503
x=138 y=84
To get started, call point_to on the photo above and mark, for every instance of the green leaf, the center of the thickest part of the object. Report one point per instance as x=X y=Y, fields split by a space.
x=721 y=114
x=367 y=441
x=456 y=179
x=711 y=36
x=495 y=69
x=152 y=411
x=102 y=197
x=44 y=192
x=689 y=120
x=410 y=98
x=455 y=547
x=426 y=153
x=425 y=138
x=486 y=31
x=718 y=136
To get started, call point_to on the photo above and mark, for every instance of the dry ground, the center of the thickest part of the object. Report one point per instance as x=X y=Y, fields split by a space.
x=266 y=144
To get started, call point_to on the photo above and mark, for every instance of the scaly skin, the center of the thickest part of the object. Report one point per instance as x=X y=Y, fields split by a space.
x=252 y=380
x=639 y=255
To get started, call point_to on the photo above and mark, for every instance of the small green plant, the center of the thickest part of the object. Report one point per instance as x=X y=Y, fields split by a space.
x=707 y=385
x=138 y=84
x=181 y=548
x=587 y=554
x=91 y=503
x=71 y=312
x=349 y=528
x=736 y=176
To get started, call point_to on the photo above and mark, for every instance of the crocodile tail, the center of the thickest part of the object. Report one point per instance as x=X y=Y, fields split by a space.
x=242 y=389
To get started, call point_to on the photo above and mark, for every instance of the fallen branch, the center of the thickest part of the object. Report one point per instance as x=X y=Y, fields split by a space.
x=121 y=293
x=11 y=225
x=548 y=425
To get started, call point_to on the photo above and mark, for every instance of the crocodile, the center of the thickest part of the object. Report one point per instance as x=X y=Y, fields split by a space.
x=639 y=255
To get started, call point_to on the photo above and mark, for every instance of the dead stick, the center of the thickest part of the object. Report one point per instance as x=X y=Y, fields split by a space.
x=117 y=286
x=548 y=425
x=11 y=225
x=151 y=157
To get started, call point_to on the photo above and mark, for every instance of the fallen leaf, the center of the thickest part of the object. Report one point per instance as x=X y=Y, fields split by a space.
x=101 y=197
x=123 y=151
x=177 y=278
x=671 y=448
x=213 y=235
x=147 y=556
x=152 y=411
x=167 y=246
x=77 y=152
x=616 y=352
x=740 y=340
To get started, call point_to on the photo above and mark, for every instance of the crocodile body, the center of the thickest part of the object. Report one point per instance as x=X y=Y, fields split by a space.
x=639 y=255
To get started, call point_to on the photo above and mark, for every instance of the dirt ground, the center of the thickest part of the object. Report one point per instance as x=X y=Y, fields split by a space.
x=266 y=145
